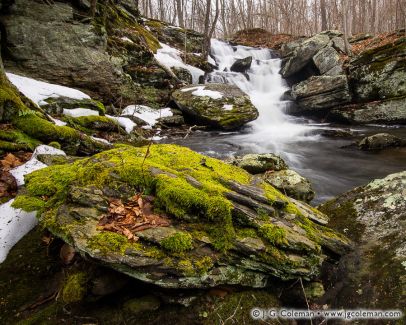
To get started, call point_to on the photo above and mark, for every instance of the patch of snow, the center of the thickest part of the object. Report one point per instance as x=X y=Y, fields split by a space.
x=34 y=164
x=125 y=122
x=147 y=114
x=14 y=225
x=101 y=140
x=157 y=138
x=170 y=57
x=126 y=39
x=228 y=107
x=201 y=91
x=58 y=122
x=37 y=90
x=78 y=112
x=189 y=89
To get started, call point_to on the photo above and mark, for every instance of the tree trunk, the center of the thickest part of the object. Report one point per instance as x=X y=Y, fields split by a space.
x=323 y=15
x=93 y=5
x=179 y=9
x=345 y=26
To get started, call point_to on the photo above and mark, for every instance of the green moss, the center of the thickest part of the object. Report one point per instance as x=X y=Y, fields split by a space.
x=186 y=267
x=74 y=289
x=273 y=234
x=55 y=144
x=246 y=232
x=203 y=265
x=109 y=241
x=174 y=194
x=28 y=203
x=93 y=122
x=19 y=139
x=178 y=243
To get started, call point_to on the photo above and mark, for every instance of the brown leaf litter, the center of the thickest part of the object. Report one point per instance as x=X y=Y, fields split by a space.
x=134 y=215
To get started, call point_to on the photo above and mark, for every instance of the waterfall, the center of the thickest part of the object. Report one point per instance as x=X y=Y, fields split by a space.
x=262 y=82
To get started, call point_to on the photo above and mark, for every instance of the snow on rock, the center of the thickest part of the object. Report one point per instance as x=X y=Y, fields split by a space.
x=37 y=90
x=101 y=140
x=34 y=164
x=170 y=57
x=147 y=114
x=57 y=122
x=78 y=112
x=125 y=122
x=228 y=107
x=14 y=225
x=201 y=91
x=126 y=39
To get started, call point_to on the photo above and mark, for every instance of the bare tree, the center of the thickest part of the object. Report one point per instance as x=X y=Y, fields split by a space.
x=323 y=15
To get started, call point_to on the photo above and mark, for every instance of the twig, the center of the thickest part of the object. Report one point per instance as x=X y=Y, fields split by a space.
x=235 y=311
x=189 y=131
x=307 y=303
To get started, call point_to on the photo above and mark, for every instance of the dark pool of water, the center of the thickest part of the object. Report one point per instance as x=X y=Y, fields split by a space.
x=331 y=166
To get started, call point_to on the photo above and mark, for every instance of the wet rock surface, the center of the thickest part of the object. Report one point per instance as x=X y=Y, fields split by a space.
x=381 y=141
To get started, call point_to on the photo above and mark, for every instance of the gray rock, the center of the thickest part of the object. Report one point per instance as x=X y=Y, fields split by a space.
x=183 y=75
x=62 y=51
x=335 y=71
x=338 y=43
x=242 y=65
x=320 y=93
x=56 y=105
x=291 y=183
x=175 y=120
x=392 y=111
x=230 y=109
x=303 y=54
x=326 y=59
x=381 y=141
x=288 y=48
x=373 y=276
x=260 y=163
x=380 y=73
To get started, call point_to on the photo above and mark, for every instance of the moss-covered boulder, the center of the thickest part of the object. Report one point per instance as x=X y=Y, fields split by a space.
x=219 y=106
x=373 y=216
x=213 y=223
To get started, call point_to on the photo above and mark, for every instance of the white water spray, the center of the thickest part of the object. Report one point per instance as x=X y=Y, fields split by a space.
x=265 y=86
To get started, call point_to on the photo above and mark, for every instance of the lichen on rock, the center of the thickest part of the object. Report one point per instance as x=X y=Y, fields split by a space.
x=206 y=203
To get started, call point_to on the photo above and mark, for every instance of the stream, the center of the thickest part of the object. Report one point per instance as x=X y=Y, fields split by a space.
x=327 y=162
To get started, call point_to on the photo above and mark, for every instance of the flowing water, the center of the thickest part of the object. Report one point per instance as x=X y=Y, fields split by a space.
x=331 y=168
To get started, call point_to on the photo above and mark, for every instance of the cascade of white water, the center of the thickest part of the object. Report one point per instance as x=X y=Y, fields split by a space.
x=265 y=86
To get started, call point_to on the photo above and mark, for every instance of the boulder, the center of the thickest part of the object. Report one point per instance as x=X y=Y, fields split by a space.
x=319 y=93
x=391 y=111
x=260 y=163
x=381 y=141
x=242 y=65
x=291 y=183
x=326 y=59
x=202 y=224
x=380 y=73
x=303 y=54
x=220 y=106
x=373 y=216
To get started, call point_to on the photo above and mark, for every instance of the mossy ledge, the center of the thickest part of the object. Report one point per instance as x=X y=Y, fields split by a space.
x=32 y=126
x=216 y=235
